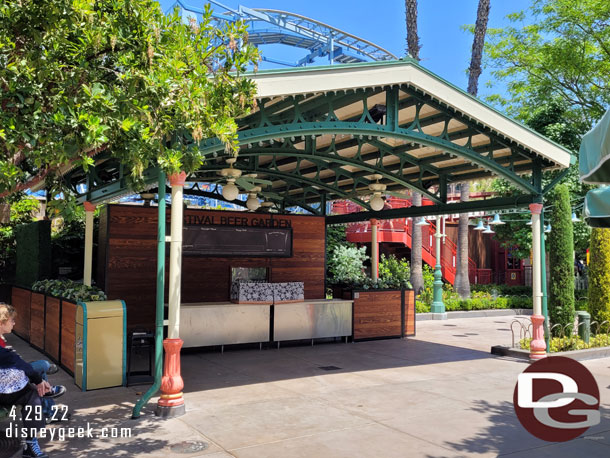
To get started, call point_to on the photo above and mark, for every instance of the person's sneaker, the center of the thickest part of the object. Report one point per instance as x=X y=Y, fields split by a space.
x=56 y=391
x=53 y=369
x=32 y=450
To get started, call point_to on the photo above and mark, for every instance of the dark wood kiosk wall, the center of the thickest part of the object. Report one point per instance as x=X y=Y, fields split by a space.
x=127 y=259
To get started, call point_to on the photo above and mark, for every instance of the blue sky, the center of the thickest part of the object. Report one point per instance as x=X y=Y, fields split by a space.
x=445 y=46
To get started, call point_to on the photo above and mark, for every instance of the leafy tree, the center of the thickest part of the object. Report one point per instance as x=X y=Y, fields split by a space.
x=80 y=77
x=557 y=48
x=599 y=275
x=561 y=257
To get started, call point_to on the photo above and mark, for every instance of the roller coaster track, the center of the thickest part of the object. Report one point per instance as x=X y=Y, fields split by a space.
x=268 y=27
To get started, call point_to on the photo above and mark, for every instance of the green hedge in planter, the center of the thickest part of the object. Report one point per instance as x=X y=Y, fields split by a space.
x=480 y=303
x=69 y=289
x=33 y=252
x=503 y=290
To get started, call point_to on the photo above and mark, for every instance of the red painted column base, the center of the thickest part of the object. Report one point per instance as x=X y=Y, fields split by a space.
x=171 y=402
x=537 y=345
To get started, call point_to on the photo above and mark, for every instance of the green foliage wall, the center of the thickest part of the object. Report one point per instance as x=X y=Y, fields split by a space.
x=599 y=275
x=33 y=252
x=21 y=213
x=561 y=258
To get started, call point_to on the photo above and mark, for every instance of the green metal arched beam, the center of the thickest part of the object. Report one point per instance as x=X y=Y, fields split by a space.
x=364 y=129
x=288 y=178
x=321 y=159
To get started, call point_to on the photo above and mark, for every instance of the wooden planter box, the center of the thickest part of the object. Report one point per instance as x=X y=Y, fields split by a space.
x=47 y=323
x=52 y=321
x=37 y=320
x=66 y=340
x=383 y=314
x=21 y=299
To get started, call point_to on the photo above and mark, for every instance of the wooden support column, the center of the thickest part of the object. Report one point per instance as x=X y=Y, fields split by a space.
x=374 y=250
x=171 y=402
x=89 y=211
x=537 y=345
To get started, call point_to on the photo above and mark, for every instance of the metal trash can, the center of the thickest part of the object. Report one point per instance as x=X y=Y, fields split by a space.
x=140 y=342
x=100 y=344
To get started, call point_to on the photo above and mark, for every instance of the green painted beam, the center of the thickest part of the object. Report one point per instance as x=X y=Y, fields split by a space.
x=497 y=203
x=285 y=177
x=335 y=158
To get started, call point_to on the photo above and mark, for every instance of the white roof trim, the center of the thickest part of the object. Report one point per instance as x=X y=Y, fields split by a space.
x=276 y=84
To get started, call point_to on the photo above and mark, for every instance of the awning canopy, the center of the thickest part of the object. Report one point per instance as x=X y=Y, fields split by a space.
x=597 y=207
x=337 y=132
x=594 y=153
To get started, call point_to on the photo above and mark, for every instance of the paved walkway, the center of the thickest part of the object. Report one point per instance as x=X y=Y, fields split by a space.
x=438 y=395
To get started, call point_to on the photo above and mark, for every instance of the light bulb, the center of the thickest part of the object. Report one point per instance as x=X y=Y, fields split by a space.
x=252 y=203
x=230 y=191
x=377 y=203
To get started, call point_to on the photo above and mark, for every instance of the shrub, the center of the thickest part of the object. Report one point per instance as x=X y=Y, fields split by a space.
x=69 y=289
x=394 y=273
x=346 y=265
x=420 y=307
x=426 y=296
x=571 y=342
x=561 y=259
x=503 y=290
x=480 y=301
x=599 y=275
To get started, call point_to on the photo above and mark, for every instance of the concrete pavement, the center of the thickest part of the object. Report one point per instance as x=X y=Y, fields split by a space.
x=440 y=394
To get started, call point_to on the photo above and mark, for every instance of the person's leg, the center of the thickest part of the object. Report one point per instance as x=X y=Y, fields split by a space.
x=32 y=418
x=41 y=366
x=47 y=407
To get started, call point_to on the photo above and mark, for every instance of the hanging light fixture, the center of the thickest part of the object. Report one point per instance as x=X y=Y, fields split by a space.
x=488 y=230
x=497 y=220
x=480 y=226
x=252 y=203
x=422 y=222
x=230 y=191
x=376 y=202
x=575 y=219
x=548 y=229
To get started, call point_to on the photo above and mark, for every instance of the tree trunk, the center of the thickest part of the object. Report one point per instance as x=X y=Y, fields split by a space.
x=412 y=37
x=417 y=274
x=480 y=29
x=462 y=280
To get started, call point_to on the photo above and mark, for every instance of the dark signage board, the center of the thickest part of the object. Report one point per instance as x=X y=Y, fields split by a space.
x=232 y=241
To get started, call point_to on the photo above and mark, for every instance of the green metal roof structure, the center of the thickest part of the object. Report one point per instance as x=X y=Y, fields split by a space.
x=325 y=133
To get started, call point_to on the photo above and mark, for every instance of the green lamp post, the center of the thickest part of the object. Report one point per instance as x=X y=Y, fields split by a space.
x=438 y=307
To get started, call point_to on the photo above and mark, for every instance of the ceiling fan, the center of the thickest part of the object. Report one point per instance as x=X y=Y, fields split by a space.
x=234 y=177
x=379 y=189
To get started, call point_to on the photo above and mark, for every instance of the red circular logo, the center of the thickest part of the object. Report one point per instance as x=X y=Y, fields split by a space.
x=557 y=399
